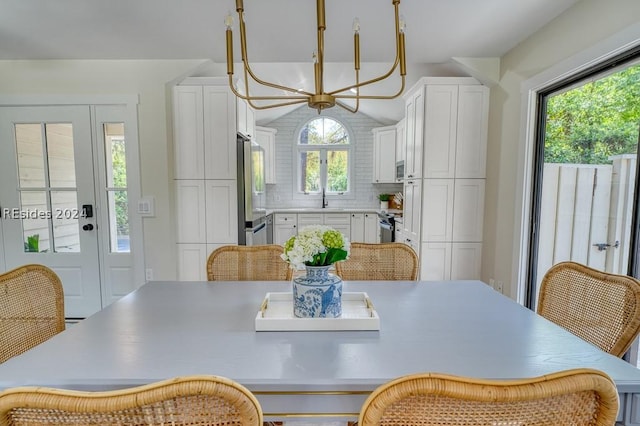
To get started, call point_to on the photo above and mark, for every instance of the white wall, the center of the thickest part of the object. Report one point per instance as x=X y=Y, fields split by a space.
x=359 y=125
x=144 y=78
x=580 y=27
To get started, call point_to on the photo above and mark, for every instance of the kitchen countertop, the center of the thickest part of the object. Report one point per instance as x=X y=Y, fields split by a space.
x=325 y=210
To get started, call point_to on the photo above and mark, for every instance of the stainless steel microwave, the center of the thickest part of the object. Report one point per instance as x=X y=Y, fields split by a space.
x=400 y=170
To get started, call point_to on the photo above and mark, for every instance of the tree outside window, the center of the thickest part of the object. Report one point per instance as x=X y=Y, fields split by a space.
x=323 y=155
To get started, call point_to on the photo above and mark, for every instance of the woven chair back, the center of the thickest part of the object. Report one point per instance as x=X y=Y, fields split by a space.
x=384 y=261
x=188 y=400
x=574 y=397
x=601 y=308
x=248 y=263
x=31 y=308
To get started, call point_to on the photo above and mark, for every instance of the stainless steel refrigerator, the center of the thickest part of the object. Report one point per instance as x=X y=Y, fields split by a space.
x=252 y=226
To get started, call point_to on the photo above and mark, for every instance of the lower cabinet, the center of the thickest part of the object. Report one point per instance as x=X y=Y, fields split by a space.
x=364 y=228
x=285 y=226
x=450 y=261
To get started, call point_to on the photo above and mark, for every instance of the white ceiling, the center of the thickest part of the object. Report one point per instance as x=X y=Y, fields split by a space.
x=281 y=34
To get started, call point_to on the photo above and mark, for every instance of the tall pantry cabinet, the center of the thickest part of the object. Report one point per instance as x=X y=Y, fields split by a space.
x=446 y=130
x=205 y=123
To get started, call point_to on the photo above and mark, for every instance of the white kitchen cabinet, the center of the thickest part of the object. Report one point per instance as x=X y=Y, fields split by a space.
x=338 y=221
x=437 y=209
x=414 y=132
x=371 y=228
x=245 y=117
x=357 y=228
x=401 y=142
x=188 y=131
x=440 y=131
x=205 y=126
x=468 y=214
x=411 y=211
x=435 y=262
x=466 y=261
x=266 y=138
x=222 y=211
x=192 y=262
x=219 y=133
x=472 y=130
x=384 y=158
x=285 y=226
x=190 y=211
x=309 y=219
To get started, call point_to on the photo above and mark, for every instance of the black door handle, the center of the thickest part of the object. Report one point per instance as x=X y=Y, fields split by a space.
x=88 y=227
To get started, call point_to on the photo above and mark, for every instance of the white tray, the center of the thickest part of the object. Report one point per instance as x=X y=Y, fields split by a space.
x=276 y=314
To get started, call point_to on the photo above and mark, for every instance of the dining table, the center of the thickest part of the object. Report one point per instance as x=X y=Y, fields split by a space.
x=169 y=328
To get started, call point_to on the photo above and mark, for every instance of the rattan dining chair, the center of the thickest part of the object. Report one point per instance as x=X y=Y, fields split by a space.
x=248 y=263
x=601 y=308
x=577 y=397
x=188 y=400
x=31 y=308
x=383 y=261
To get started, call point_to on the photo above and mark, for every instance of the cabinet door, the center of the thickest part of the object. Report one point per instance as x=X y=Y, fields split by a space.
x=414 y=135
x=308 y=219
x=437 y=209
x=222 y=211
x=384 y=159
x=412 y=206
x=251 y=122
x=190 y=211
x=371 y=228
x=440 y=131
x=188 y=136
x=357 y=227
x=282 y=233
x=468 y=210
x=241 y=117
x=192 y=262
x=466 y=261
x=219 y=133
x=472 y=124
x=266 y=138
x=435 y=262
x=401 y=141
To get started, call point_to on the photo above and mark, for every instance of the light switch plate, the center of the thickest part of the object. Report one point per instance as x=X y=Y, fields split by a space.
x=146 y=206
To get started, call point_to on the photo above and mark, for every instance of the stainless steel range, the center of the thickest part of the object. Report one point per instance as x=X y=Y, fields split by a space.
x=387 y=225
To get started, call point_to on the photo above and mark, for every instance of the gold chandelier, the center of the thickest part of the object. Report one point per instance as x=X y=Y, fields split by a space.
x=320 y=99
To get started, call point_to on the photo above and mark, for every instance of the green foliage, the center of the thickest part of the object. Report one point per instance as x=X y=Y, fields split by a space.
x=590 y=123
x=324 y=133
x=118 y=156
x=32 y=243
x=384 y=197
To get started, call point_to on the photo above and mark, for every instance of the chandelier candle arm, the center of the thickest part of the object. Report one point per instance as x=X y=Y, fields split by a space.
x=320 y=99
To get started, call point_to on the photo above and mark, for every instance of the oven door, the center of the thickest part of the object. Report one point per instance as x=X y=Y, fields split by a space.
x=387 y=231
x=257 y=234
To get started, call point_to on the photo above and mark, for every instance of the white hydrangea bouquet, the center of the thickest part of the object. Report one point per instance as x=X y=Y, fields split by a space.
x=316 y=245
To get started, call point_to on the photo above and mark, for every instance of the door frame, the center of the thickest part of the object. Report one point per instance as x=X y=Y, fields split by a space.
x=604 y=51
x=130 y=103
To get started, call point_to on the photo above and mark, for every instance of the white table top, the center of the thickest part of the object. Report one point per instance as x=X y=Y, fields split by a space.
x=167 y=329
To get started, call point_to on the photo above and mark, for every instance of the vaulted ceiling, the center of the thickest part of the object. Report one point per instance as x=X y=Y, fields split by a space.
x=281 y=35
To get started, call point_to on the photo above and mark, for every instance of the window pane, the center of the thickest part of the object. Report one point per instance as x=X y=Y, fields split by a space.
x=323 y=131
x=30 y=157
x=60 y=155
x=337 y=171
x=118 y=221
x=310 y=171
x=115 y=148
x=35 y=223
x=65 y=215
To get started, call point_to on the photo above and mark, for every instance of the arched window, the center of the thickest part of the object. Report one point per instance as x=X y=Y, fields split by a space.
x=323 y=157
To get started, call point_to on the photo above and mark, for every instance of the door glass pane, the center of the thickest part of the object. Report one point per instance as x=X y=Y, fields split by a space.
x=310 y=171
x=66 y=228
x=29 y=143
x=60 y=155
x=35 y=221
x=337 y=171
x=117 y=199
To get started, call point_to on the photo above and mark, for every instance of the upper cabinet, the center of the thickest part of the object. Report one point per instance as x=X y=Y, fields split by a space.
x=384 y=158
x=266 y=138
x=414 y=129
x=401 y=142
x=204 y=132
x=245 y=119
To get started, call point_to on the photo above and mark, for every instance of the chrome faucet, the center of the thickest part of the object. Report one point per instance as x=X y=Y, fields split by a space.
x=325 y=203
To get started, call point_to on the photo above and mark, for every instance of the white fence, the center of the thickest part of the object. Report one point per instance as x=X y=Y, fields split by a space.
x=586 y=213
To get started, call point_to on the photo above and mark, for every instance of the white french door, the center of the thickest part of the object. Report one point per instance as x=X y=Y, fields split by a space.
x=65 y=192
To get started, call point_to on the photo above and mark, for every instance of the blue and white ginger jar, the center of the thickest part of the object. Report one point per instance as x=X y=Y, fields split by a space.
x=317 y=294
